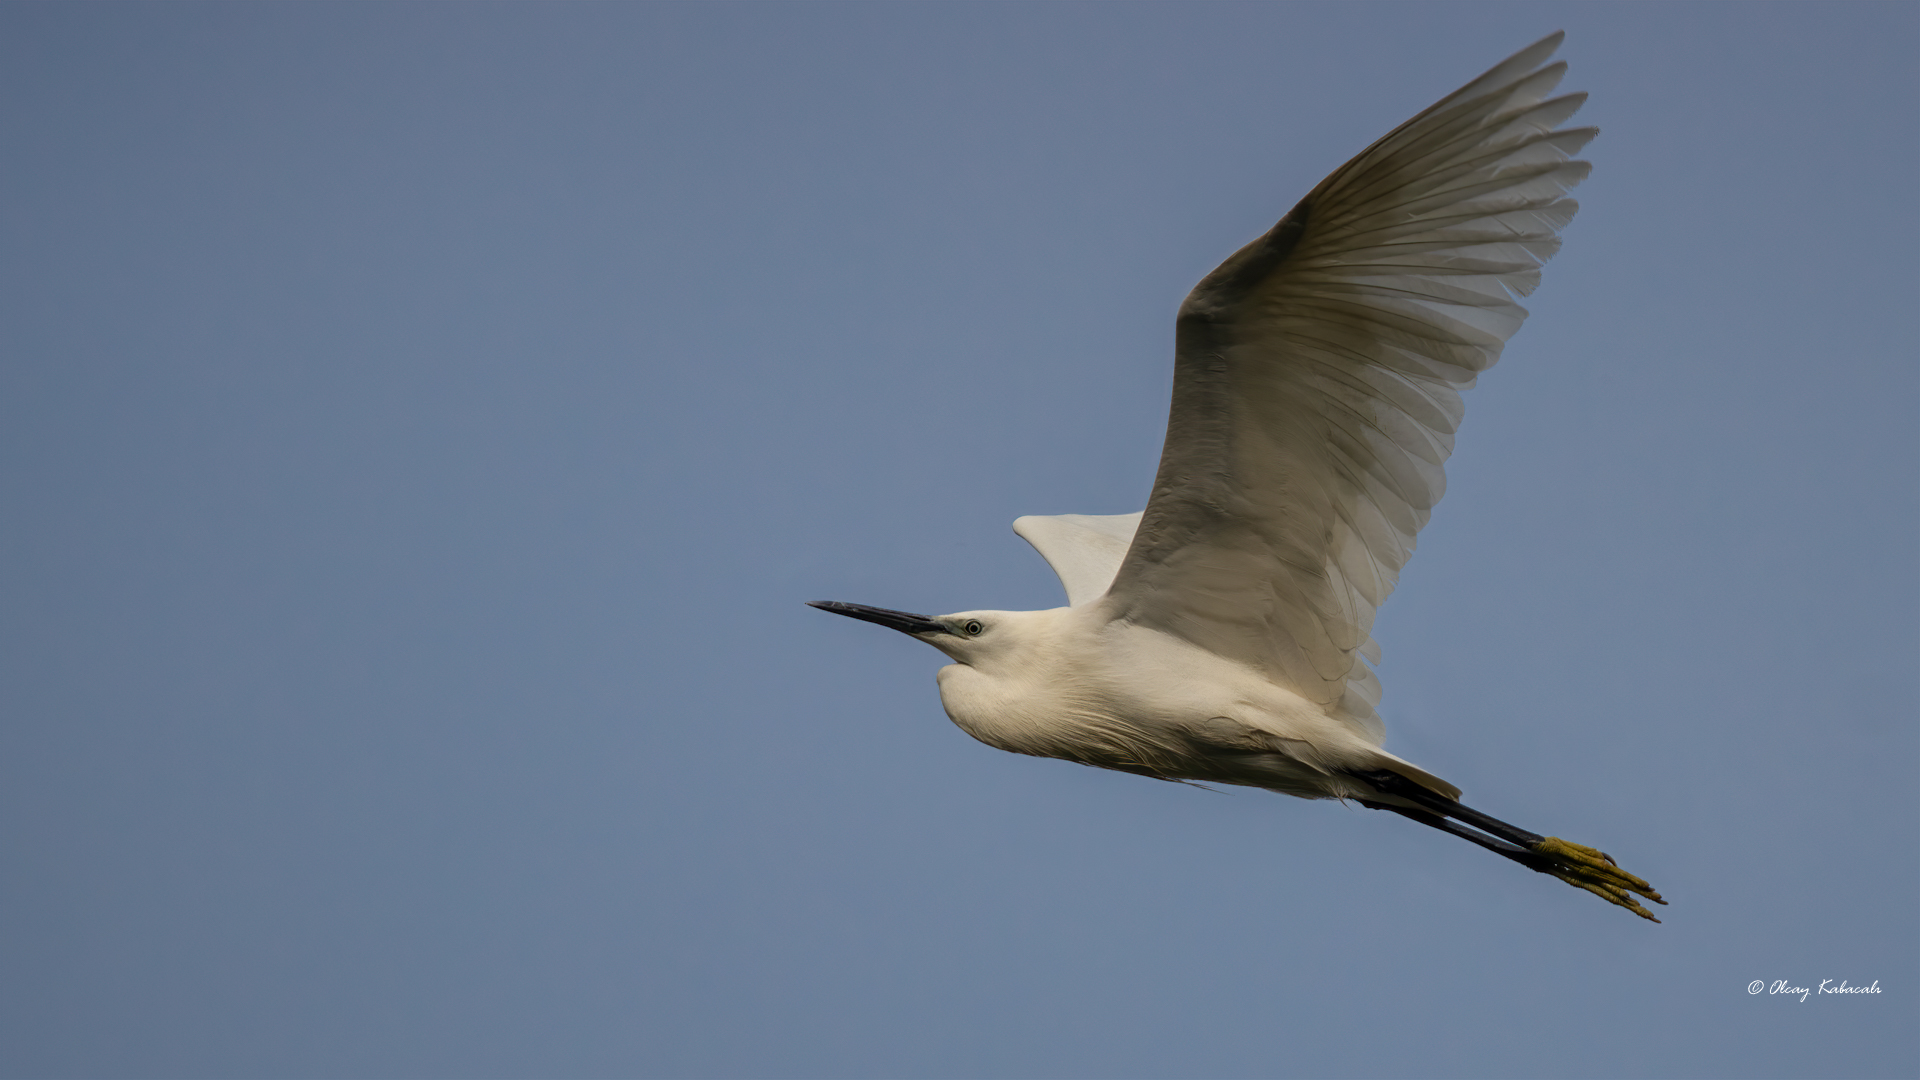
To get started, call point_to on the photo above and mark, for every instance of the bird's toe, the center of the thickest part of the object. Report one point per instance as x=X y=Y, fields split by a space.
x=1595 y=871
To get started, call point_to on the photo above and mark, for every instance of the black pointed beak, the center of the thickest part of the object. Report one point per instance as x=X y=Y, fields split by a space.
x=904 y=621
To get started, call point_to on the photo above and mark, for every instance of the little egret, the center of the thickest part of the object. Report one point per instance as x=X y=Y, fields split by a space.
x=1218 y=634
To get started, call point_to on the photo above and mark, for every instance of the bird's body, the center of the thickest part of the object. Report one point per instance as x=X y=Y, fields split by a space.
x=1077 y=684
x=1222 y=634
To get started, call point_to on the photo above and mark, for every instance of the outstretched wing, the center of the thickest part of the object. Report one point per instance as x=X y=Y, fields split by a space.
x=1085 y=550
x=1317 y=383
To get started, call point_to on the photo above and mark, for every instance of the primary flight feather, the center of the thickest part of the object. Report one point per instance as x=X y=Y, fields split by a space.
x=1224 y=633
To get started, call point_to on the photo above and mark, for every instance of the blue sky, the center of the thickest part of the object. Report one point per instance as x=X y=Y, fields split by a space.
x=422 y=425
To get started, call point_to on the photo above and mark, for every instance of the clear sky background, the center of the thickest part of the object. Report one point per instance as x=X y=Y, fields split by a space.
x=423 y=424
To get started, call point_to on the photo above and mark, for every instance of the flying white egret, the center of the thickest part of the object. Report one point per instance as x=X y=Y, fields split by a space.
x=1218 y=634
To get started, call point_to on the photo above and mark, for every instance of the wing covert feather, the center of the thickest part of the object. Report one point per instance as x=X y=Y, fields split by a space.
x=1317 y=383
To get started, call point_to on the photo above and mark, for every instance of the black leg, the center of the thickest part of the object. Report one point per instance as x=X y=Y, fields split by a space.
x=1394 y=784
x=1498 y=847
x=1581 y=867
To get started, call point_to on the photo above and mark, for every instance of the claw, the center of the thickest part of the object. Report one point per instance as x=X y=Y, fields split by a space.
x=1595 y=871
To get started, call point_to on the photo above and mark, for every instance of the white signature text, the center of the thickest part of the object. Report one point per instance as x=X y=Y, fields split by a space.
x=1782 y=986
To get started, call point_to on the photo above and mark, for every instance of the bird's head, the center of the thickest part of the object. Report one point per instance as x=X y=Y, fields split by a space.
x=969 y=637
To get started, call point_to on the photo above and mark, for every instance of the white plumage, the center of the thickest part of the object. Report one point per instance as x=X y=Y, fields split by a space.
x=1224 y=633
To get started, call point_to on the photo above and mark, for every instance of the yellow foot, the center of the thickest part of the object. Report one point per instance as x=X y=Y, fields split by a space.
x=1595 y=871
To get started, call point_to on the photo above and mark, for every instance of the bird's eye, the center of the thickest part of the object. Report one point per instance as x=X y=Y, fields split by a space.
x=973 y=628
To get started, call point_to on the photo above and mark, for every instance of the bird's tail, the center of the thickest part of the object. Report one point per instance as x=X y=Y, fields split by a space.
x=1416 y=774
